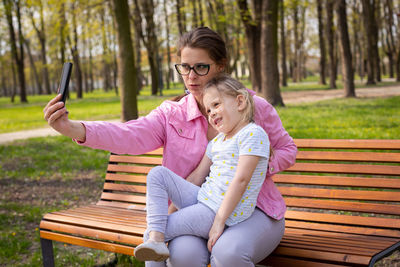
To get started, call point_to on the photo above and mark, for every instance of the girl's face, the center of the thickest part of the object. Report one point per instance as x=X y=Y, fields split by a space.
x=224 y=111
x=194 y=82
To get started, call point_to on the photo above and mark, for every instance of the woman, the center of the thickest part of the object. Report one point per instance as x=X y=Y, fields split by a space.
x=183 y=130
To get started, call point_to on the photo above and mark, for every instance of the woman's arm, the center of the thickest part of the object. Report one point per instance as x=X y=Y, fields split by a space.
x=246 y=166
x=284 y=148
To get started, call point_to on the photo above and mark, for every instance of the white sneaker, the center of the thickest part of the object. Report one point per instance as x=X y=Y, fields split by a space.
x=152 y=251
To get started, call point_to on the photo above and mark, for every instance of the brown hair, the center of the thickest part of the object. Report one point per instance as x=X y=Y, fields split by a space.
x=207 y=39
x=229 y=86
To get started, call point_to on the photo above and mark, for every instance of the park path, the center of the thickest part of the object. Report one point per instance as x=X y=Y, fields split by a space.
x=296 y=97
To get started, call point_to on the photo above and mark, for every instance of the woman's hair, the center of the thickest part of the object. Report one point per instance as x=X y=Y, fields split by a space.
x=229 y=86
x=207 y=39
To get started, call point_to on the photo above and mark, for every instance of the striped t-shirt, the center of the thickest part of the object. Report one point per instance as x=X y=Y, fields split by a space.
x=224 y=154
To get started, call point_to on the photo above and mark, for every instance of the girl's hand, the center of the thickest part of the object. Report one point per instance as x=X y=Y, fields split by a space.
x=216 y=231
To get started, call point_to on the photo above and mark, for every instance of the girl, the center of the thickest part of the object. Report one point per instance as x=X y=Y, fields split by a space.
x=235 y=161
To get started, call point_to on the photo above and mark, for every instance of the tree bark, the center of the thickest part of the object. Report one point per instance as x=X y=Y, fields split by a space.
x=346 y=57
x=322 y=60
x=295 y=59
x=390 y=44
x=331 y=44
x=368 y=18
x=106 y=56
x=269 y=53
x=151 y=43
x=179 y=17
x=75 y=54
x=41 y=34
x=169 y=70
x=17 y=51
x=253 y=34
x=34 y=70
x=126 y=61
x=283 y=43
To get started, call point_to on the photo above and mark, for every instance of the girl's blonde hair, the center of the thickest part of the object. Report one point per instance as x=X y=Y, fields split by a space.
x=225 y=84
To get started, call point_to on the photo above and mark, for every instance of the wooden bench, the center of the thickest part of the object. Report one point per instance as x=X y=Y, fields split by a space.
x=343 y=199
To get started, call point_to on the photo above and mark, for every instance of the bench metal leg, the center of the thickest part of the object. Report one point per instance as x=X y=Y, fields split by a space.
x=47 y=252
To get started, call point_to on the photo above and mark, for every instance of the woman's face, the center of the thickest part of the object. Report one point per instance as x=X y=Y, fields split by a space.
x=194 y=82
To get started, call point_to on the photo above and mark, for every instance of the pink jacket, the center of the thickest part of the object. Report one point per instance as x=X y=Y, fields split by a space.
x=181 y=129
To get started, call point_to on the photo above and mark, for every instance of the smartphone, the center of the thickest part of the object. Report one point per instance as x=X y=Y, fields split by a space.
x=64 y=82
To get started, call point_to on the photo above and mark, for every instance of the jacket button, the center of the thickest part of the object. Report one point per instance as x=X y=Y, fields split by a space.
x=271 y=169
x=180 y=131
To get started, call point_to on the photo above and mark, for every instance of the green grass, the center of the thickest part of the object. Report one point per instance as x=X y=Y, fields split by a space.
x=344 y=118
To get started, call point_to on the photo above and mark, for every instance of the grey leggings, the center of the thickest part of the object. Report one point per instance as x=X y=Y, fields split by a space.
x=243 y=244
x=192 y=218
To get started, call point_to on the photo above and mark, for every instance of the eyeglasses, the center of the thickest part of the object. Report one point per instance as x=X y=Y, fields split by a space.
x=199 y=68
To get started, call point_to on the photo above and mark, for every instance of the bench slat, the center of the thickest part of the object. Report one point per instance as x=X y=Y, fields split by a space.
x=345 y=168
x=97 y=224
x=339 y=194
x=128 y=168
x=125 y=188
x=348 y=156
x=121 y=205
x=315 y=254
x=93 y=233
x=136 y=160
x=126 y=178
x=343 y=219
x=343 y=205
x=113 y=214
x=348 y=143
x=390 y=183
x=123 y=197
x=367 y=239
x=83 y=242
x=289 y=262
x=337 y=228
x=356 y=245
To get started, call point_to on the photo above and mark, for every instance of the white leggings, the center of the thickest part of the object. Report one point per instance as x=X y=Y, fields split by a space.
x=243 y=244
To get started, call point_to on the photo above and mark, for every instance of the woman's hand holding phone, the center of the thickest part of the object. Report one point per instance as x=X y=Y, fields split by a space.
x=56 y=114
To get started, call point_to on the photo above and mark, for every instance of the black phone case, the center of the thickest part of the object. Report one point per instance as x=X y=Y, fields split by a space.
x=64 y=82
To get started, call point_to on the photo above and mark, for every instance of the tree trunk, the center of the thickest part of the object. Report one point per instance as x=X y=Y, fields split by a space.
x=75 y=55
x=201 y=19
x=179 y=17
x=331 y=44
x=375 y=28
x=295 y=58
x=169 y=70
x=253 y=34
x=269 y=53
x=345 y=50
x=369 y=33
x=322 y=60
x=388 y=14
x=34 y=70
x=106 y=56
x=126 y=61
x=151 y=43
x=283 y=44
x=17 y=51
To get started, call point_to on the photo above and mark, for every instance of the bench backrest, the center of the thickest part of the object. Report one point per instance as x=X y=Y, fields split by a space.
x=345 y=186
